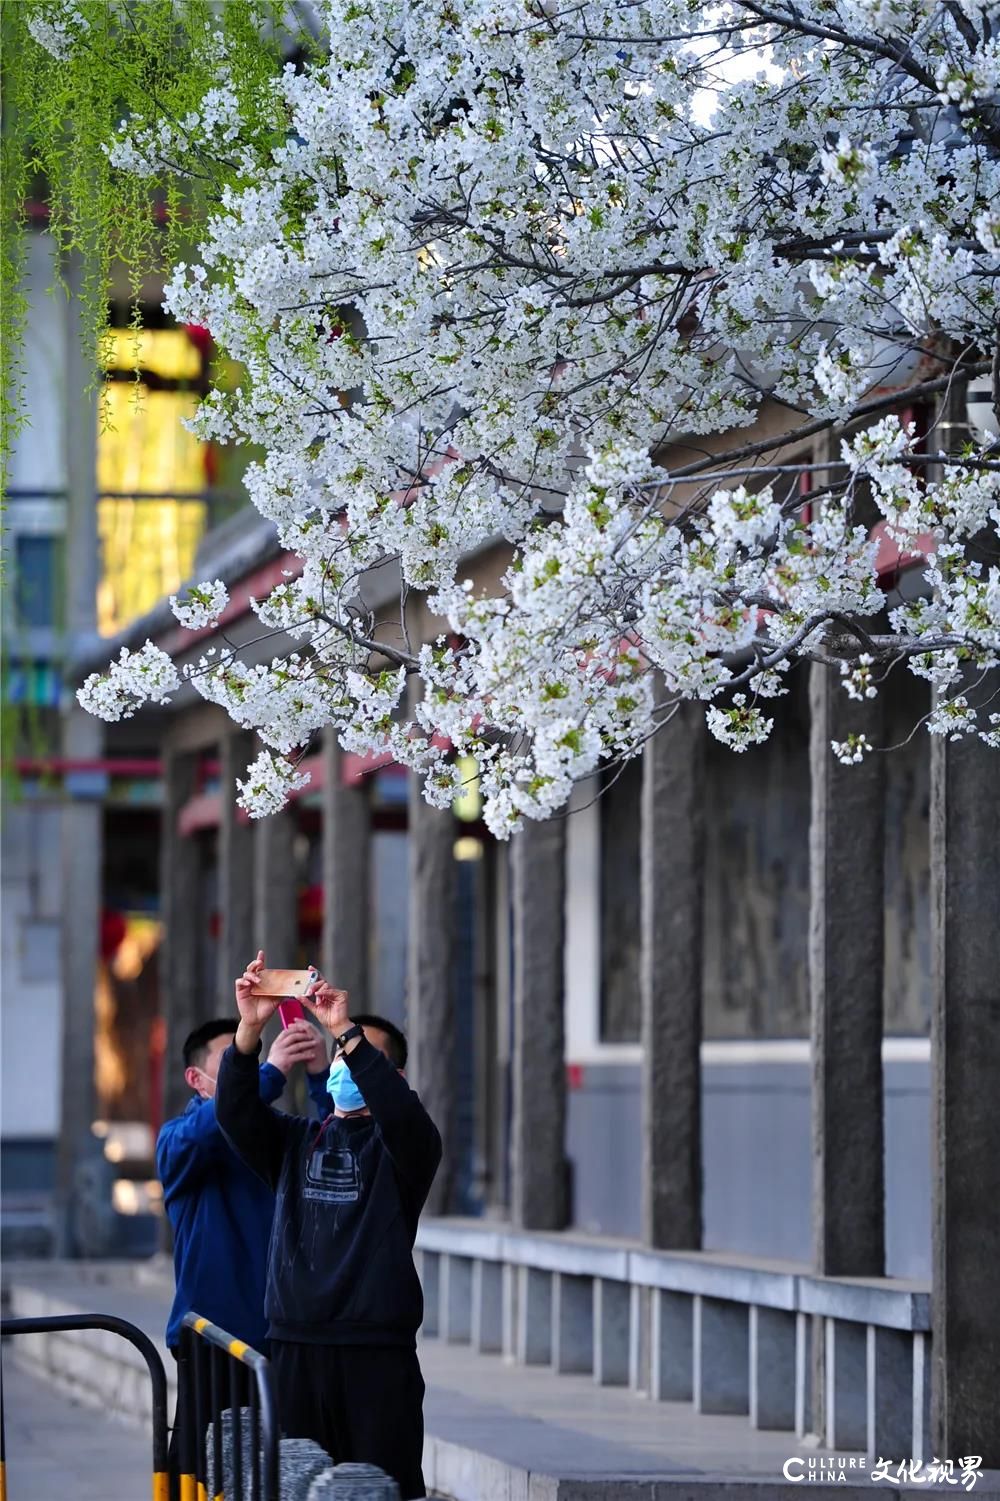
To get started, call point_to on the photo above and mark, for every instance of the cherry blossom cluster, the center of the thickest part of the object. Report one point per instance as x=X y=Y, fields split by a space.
x=136 y=678
x=269 y=782
x=202 y=606
x=508 y=261
x=57 y=27
x=859 y=680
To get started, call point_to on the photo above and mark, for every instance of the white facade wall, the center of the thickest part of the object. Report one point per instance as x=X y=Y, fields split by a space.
x=30 y=985
x=38 y=460
x=30 y=1015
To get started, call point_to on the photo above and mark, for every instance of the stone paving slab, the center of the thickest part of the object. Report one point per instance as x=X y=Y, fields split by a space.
x=59 y=1449
x=569 y=1425
x=501 y=1432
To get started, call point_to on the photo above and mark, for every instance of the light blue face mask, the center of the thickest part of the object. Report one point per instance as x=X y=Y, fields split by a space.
x=342 y=1089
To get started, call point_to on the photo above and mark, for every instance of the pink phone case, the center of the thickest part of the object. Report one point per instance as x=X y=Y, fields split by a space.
x=290 y=1011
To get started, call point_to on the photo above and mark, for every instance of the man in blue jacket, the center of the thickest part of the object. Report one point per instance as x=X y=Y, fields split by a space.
x=219 y=1210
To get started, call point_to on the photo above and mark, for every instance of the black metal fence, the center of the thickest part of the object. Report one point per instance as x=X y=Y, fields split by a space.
x=64 y=1323
x=226 y=1444
x=214 y=1373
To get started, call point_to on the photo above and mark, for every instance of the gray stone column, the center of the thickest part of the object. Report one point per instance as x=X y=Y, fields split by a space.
x=346 y=887
x=672 y=853
x=846 y=926
x=965 y=1052
x=276 y=920
x=487 y=1306
x=82 y=842
x=82 y=738
x=611 y=1332
x=845 y=1348
x=430 y=1007
x=236 y=850
x=538 y=1066
x=671 y=1341
x=183 y=920
x=889 y=1391
x=275 y=889
x=534 y=1315
x=501 y=1030
x=721 y=1356
x=429 y=1267
x=456 y=1299
x=773 y=1355
x=572 y=1323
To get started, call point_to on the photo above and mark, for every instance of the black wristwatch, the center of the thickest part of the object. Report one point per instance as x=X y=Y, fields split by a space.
x=345 y=1037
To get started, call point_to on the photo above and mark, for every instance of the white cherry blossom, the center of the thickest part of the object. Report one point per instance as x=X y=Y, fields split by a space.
x=269 y=781
x=136 y=678
x=517 y=282
x=202 y=606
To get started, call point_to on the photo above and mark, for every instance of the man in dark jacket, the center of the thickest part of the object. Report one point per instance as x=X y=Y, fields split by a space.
x=343 y=1299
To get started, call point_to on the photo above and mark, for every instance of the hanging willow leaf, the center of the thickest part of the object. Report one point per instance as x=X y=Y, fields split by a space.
x=148 y=60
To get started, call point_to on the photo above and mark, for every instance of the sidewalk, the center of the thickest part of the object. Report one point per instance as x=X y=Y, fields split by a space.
x=57 y=1448
x=496 y=1432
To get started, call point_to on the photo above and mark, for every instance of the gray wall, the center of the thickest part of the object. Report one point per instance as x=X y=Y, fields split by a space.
x=387 y=937
x=756 y=1158
x=757 y=880
x=757 y=874
x=30 y=861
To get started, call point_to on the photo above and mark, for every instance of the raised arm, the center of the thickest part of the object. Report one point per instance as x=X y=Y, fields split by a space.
x=255 y=1131
x=316 y=1085
x=411 y=1137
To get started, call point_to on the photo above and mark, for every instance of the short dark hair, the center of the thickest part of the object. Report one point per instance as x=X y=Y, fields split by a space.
x=398 y=1050
x=196 y=1042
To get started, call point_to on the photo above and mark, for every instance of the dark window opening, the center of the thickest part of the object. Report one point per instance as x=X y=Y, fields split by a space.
x=35 y=578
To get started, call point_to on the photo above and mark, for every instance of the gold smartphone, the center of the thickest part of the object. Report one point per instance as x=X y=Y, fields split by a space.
x=285 y=982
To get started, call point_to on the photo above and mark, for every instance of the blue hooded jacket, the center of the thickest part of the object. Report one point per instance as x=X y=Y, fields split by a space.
x=221 y=1215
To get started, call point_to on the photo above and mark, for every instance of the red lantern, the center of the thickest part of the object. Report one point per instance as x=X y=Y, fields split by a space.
x=113 y=930
x=311 y=908
x=200 y=337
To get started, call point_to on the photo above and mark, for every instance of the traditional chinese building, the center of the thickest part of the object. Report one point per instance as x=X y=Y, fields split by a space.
x=734 y=1009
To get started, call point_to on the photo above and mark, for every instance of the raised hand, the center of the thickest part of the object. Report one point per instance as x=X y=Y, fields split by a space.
x=255 y=1010
x=328 y=1005
x=296 y=1044
x=318 y=1062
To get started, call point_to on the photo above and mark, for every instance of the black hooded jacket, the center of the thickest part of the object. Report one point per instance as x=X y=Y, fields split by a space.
x=348 y=1194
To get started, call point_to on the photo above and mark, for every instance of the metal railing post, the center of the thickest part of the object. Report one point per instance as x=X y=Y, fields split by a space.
x=3 y=1443
x=201 y=1395
x=187 y=1484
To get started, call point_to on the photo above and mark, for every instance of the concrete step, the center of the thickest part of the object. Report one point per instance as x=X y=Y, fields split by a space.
x=495 y=1431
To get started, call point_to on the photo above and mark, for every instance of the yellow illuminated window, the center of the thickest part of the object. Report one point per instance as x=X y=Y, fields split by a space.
x=468 y=802
x=146 y=459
